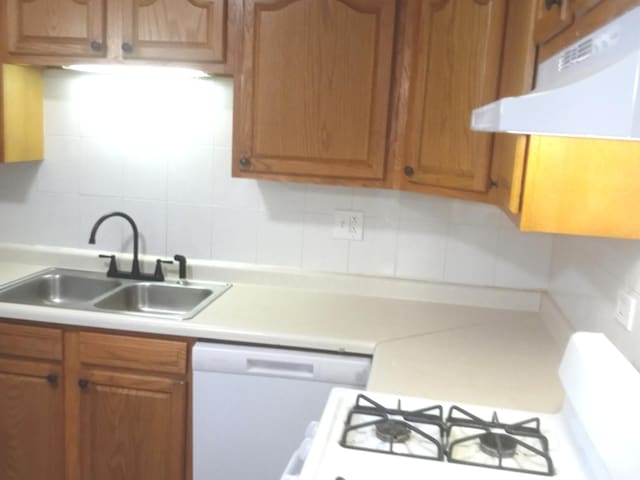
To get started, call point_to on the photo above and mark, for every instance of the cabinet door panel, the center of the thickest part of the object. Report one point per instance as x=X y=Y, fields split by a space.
x=57 y=27
x=132 y=427
x=180 y=30
x=455 y=50
x=31 y=421
x=315 y=87
x=552 y=18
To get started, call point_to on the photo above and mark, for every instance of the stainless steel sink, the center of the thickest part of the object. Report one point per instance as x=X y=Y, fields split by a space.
x=157 y=299
x=58 y=288
x=93 y=291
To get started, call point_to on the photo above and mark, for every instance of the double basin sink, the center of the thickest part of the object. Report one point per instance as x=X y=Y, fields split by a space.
x=92 y=291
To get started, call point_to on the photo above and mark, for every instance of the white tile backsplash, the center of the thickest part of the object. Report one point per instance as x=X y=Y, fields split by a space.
x=421 y=250
x=234 y=235
x=162 y=152
x=280 y=235
x=587 y=274
x=375 y=254
x=322 y=252
x=471 y=254
x=189 y=230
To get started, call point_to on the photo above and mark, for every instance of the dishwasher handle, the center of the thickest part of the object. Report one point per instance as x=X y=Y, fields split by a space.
x=339 y=369
x=275 y=368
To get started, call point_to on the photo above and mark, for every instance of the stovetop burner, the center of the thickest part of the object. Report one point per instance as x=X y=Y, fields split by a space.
x=372 y=427
x=393 y=431
x=498 y=444
x=461 y=438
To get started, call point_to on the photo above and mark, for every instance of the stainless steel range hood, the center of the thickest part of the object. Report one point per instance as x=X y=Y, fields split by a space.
x=590 y=89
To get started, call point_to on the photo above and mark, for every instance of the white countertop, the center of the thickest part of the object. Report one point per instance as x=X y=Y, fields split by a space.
x=453 y=352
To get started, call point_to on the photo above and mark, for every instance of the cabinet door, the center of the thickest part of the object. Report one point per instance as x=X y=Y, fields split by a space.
x=131 y=427
x=179 y=30
x=452 y=50
x=580 y=7
x=31 y=420
x=21 y=114
x=518 y=65
x=314 y=89
x=552 y=17
x=57 y=27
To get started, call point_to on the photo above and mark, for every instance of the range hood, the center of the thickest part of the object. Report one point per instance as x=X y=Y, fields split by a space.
x=590 y=89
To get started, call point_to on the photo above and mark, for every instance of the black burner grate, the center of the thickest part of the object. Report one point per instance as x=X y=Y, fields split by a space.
x=501 y=438
x=499 y=441
x=407 y=422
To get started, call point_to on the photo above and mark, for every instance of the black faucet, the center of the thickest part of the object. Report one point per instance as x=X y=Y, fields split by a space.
x=182 y=266
x=135 y=273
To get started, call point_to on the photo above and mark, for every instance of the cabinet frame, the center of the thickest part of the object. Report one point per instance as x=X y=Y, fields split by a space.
x=370 y=171
x=112 y=53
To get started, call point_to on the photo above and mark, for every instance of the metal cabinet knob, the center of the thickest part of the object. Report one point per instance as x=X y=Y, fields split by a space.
x=550 y=3
x=127 y=47
x=245 y=162
x=96 y=46
x=408 y=171
x=83 y=383
x=52 y=378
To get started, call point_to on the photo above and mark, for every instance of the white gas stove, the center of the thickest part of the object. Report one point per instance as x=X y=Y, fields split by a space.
x=376 y=436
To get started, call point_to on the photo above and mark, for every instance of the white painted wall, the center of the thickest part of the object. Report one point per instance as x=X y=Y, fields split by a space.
x=161 y=151
x=586 y=276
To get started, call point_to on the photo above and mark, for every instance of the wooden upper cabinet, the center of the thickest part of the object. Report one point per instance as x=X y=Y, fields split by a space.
x=580 y=7
x=31 y=420
x=518 y=65
x=452 y=51
x=178 y=30
x=56 y=27
x=131 y=426
x=552 y=17
x=314 y=89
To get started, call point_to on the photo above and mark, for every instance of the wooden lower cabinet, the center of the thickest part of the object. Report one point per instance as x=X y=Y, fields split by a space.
x=131 y=426
x=31 y=420
x=78 y=405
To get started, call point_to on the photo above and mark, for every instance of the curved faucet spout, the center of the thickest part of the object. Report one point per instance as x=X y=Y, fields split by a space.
x=135 y=267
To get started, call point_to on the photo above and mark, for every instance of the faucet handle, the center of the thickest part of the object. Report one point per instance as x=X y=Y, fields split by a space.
x=113 y=267
x=158 y=274
x=182 y=262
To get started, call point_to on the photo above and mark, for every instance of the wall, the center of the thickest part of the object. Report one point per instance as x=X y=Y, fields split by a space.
x=161 y=151
x=586 y=276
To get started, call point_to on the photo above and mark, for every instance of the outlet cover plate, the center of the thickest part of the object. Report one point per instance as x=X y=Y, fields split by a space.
x=348 y=225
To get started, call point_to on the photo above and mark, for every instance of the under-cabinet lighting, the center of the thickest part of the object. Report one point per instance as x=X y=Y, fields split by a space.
x=134 y=70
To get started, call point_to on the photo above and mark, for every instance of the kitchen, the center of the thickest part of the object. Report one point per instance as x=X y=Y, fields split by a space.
x=423 y=268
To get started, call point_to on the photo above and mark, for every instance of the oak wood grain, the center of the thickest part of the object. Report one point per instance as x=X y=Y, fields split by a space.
x=21 y=114
x=182 y=30
x=582 y=187
x=452 y=53
x=56 y=27
x=516 y=78
x=132 y=427
x=31 y=421
x=29 y=341
x=314 y=89
x=132 y=352
x=550 y=21
x=71 y=405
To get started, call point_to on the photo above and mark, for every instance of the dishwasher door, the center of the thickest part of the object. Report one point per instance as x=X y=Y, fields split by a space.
x=251 y=405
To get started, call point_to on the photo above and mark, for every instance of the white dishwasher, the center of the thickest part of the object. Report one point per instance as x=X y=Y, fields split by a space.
x=252 y=405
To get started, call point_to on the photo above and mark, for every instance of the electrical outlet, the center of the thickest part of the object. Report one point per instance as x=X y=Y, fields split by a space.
x=348 y=225
x=627 y=309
